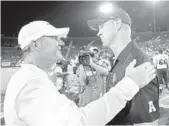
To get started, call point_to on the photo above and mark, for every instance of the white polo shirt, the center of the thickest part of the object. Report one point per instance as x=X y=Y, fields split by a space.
x=32 y=99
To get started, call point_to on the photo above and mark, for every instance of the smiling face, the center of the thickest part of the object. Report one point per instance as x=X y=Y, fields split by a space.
x=48 y=50
x=96 y=53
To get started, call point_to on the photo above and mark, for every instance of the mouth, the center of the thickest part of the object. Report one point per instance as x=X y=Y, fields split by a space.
x=59 y=48
x=101 y=37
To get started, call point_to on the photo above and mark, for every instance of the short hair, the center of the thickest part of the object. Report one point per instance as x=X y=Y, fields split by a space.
x=127 y=30
x=125 y=27
x=26 y=51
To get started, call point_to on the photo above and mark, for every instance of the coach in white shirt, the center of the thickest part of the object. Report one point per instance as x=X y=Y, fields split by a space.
x=32 y=99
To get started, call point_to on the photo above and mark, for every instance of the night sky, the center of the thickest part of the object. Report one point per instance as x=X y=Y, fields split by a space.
x=74 y=14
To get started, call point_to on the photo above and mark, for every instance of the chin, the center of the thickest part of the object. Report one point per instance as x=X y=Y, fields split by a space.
x=60 y=58
x=105 y=45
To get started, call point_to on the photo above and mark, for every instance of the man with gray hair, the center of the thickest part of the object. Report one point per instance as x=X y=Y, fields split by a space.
x=32 y=99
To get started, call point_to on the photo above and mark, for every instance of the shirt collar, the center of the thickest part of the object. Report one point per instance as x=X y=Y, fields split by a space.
x=34 y=67
x=124 y=53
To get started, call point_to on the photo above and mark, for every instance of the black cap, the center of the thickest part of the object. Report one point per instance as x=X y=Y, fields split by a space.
x=117 y=13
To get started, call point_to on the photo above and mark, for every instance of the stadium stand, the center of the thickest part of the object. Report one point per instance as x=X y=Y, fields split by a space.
x=10 y=56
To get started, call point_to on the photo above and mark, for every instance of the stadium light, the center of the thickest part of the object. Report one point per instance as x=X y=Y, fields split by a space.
x=106 y=8
x=154 y=2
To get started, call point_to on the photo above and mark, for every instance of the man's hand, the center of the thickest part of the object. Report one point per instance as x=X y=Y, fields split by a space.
x=98 y=68
x=141 y=74
x=90 y=61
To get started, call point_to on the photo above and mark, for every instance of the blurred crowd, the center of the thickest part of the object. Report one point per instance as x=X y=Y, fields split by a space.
x=78 y=80
x=152 y=46
x=10 y=55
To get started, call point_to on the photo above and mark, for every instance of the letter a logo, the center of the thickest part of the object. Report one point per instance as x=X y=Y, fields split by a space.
x=151 y=107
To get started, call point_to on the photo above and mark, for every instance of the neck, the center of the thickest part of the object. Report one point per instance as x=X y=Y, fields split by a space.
x=35 y=61
x=118 y=44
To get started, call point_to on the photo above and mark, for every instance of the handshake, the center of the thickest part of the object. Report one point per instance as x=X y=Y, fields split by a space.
x=142 y=74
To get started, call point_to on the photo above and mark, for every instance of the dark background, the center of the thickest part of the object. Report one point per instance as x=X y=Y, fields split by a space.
x=74 y=14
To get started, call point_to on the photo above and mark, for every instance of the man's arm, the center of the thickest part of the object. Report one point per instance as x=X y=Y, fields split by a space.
x=100 y=112
x=39 y=105
x=99 y=69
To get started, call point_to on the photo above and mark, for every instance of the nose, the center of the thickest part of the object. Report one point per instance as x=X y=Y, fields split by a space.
x=58 y=49
x=99 y=33
x=60 y=42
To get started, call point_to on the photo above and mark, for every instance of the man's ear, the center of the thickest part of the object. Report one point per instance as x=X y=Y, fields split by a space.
x=118 y=23
x=36 y=45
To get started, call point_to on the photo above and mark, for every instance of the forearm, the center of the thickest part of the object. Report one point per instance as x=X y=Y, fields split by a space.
x=104 y=109
x=99 y=69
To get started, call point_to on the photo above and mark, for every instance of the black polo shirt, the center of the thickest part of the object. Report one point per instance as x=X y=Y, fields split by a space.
x=144 y=107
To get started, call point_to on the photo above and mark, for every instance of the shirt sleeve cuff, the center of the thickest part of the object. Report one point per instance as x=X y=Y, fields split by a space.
x=128 y=88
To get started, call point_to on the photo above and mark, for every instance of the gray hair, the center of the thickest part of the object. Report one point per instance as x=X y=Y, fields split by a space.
x=126 y=27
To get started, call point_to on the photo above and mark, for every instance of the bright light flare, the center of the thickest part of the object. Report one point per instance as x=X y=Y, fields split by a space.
x=153 y=1
x=106 y=8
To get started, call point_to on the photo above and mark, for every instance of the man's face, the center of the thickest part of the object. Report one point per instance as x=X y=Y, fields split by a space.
x=96 y=54
x=51 y=49
x=107 y=32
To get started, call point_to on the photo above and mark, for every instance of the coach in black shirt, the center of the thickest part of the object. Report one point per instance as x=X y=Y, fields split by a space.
x=114 y=30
